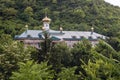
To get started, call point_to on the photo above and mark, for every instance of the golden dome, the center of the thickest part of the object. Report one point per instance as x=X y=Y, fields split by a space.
x=46 y=19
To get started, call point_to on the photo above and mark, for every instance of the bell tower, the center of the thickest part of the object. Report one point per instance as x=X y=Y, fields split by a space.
x=46 y=23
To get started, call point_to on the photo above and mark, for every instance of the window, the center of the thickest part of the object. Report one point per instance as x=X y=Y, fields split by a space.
x=74 y=37
x=98 y=37
x=90 y=37
x=81 y=37
x=29 y=36
x=40 y=36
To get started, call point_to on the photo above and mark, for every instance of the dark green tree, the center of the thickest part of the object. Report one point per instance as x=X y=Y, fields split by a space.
x=105 y=49
x=81 y=50
x=33 y=71
x=115 y=43
x=11 y=52
x=60 y=56
x=101 y=70
x=46 y=46
x=68 y=74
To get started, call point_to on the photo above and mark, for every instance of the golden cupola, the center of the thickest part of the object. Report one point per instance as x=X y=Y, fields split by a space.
x=46 y=19
x=46 y=23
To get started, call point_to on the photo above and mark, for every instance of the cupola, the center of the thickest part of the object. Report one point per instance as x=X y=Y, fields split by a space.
x=46 y=23
x=46 y=19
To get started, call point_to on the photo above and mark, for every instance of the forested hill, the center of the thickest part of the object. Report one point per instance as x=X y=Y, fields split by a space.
x=70 y=14
x=59 y=61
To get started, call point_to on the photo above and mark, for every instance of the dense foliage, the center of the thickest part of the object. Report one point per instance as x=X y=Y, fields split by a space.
x=12 y=52
x=58 y=61
x=71 y=15
x=63 y=64
x=33 y=71
x=82 y=62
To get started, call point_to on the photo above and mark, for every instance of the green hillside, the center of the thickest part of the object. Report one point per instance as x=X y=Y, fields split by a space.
x=58 y=61
x=70 y=14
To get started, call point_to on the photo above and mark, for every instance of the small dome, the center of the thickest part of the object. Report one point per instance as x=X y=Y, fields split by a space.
x=46 y=19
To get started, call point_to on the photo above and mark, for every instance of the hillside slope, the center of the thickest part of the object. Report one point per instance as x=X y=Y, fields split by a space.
x=70 y=14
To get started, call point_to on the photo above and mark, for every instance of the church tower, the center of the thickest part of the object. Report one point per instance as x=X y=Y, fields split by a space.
x=46 y=23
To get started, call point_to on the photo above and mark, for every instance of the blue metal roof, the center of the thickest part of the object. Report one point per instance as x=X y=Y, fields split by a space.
x=57 y=35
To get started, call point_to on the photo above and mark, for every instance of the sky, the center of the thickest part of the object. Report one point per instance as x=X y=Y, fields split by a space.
x=114 y=2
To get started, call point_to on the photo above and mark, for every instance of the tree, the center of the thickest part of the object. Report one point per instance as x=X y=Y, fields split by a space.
x=79 y=12
x=28 y=11
x=99 y=70
x=54 y=1
x=11 y=52
x=33 y=71
x=10 y=12
x=68 y=74
x=45 y=47
x=81 y=50
x=28 y=14
x=115 y=43
x=106 y=50
x=60 y=56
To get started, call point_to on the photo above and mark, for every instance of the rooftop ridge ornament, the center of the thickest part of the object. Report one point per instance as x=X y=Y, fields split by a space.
x=26 y=26
x=92 y=30
x=61 y=29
